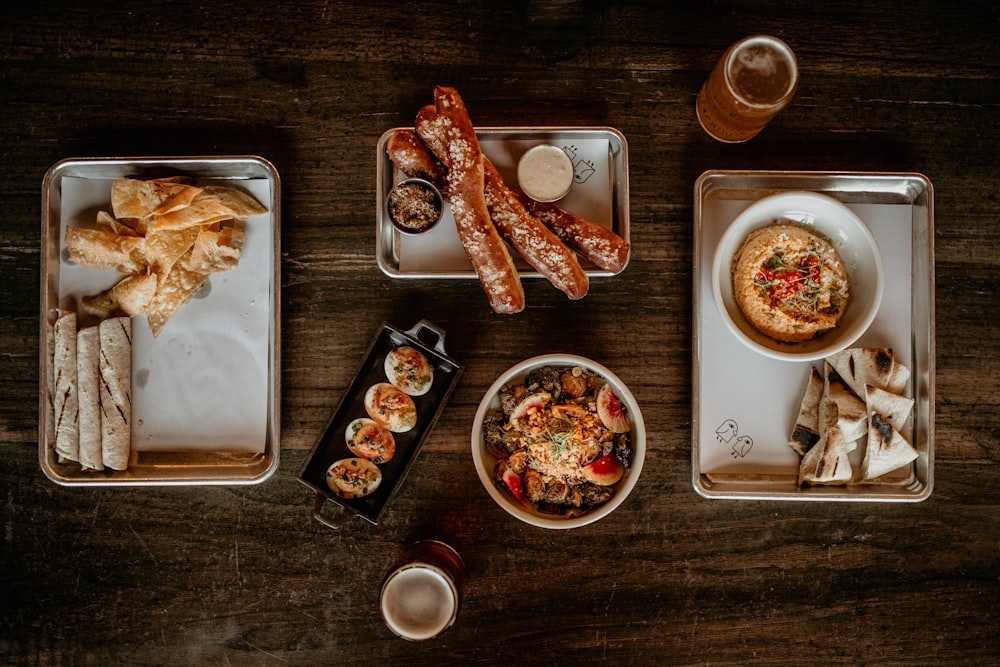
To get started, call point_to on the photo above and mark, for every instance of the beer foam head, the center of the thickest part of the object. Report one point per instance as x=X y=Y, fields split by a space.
x=419 y=602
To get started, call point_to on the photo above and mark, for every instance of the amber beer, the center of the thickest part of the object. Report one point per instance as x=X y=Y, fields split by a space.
x=420 y=597
x=750 y=84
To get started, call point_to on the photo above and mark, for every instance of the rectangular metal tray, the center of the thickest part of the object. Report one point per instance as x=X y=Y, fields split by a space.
x=438 y=252
x=332 y=446
x=183 y=466
x=729 y=380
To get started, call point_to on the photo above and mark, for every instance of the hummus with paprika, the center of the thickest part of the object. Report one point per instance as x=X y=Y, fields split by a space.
x=790 y=284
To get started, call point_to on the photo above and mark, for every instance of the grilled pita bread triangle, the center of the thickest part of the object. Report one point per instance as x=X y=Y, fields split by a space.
x=805 y=434
x=827 y=462
x=887 y=450
x=893 y=408
x=850 y=414
x=878 y=367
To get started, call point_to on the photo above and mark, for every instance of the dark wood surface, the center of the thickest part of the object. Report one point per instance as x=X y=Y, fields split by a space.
x=245 y=576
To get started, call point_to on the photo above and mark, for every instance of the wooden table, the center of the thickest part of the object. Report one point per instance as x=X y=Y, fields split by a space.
x=243 y=575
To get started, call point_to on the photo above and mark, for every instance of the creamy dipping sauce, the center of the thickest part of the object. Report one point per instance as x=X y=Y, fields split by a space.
x=545 y=173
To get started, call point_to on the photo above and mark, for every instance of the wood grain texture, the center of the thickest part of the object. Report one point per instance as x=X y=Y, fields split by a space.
x=245 y=576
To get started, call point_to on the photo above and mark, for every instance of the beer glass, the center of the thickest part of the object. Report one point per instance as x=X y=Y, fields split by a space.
x=751 y=83
x=420 y=597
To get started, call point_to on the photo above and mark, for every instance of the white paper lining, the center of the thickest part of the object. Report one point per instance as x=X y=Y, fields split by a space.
x=202 y=383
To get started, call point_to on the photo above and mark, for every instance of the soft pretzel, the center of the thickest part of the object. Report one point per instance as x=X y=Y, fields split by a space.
x=600 y=245
x=448 y=132
x=411 y=157
x=531 y=239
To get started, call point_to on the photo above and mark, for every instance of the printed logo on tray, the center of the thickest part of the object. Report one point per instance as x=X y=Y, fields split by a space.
x=728 y=432
x=582 y=169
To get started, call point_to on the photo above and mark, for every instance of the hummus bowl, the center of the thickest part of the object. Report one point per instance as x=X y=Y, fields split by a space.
x=631 y=430
x=821 y=216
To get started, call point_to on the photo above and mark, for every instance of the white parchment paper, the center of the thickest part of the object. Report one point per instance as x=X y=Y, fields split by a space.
x=202 y=383
x=440 y=250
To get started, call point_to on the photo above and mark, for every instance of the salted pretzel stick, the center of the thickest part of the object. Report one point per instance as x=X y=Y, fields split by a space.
x=448 y=132
x=411 y=157
x=531 y=239
x=599 y=244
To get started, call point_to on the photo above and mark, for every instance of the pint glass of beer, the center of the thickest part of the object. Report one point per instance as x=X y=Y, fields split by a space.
x=750 y=84
x=421 y=595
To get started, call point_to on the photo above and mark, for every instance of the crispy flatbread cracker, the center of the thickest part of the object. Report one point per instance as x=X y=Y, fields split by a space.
x=99 y=249
x=116 y=391
x=165 y=247
x=138 y=199
x=240 y=203
x=152 y=226
x=88 y=364
x=132 y=294
x=216 y=251
x=179 y=286
x=107 y=223
x=887 y=450
x=66 y=405
x=203 y=210
x=805 y=433
x=827 y=462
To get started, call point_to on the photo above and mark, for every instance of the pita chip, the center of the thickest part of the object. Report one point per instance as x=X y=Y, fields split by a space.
x=164 y=248
x=66 y=403
x=179 y=286
x=132 y=295
x=805 y=433
x=220 y=250
x=201 y=211
x=88 y=360
x=138 y=199
x=887 y=450
x=116 y=391
x=102 y=249
x=240 y=203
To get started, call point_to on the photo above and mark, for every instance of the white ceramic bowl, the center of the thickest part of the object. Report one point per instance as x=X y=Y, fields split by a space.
x=853 y=241
x=486 y=462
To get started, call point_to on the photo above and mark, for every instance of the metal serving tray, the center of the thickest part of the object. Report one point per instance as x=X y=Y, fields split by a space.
x=196 y=464
x=744 y=404
x=600 y=193
x=331 y=445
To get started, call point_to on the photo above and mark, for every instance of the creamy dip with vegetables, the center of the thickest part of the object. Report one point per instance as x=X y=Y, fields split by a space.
x=789 y=283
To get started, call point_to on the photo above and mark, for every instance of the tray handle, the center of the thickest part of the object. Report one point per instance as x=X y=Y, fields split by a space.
x=336 y=523
x=424 y=325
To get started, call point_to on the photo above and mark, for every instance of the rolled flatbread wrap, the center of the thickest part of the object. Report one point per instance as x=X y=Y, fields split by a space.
x=116 y=391
x=88 y=364
x=65 y=404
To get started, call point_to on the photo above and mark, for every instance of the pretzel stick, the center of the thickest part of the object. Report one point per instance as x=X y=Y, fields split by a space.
x=448 y=132
x=599 y=244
